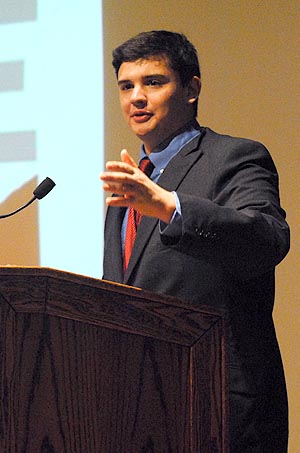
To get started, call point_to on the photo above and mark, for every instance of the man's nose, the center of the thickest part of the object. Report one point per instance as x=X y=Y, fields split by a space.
x=138 y=95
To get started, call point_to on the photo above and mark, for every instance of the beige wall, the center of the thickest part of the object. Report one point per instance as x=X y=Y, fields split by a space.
x=19 y=243
x=249 y=51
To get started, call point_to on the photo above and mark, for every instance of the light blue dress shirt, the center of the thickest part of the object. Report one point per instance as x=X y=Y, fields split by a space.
x=160 y=158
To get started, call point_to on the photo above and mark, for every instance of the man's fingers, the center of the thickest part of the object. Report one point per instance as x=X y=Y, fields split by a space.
x=120 y=186
x=116 y=166
x=126 y=165
x=119 y=201
x=117 y=177
x=126 y=157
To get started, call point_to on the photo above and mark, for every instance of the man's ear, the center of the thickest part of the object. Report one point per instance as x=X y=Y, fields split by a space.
x=194 y=88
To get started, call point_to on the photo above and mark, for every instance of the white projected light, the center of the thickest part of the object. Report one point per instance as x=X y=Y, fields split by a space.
x=52 y=122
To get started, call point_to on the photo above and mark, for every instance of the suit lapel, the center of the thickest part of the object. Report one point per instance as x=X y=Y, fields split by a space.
x=179 y=166
x=171 y=178
x=113 y=250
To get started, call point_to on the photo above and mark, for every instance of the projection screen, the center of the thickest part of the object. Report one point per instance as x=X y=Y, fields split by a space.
x=51 y=111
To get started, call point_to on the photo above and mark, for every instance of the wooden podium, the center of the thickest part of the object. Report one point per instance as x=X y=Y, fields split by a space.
x=88 y=366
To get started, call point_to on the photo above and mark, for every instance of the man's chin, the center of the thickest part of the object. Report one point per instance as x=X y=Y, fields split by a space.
x=149 y=140
x=142 y=134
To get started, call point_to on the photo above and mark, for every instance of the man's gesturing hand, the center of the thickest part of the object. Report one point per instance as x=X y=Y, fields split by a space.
x=134 y=188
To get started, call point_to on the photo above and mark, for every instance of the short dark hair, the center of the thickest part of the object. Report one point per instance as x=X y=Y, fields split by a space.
x=175 y=47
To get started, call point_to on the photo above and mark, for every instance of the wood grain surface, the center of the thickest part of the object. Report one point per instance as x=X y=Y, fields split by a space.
x=90 y=366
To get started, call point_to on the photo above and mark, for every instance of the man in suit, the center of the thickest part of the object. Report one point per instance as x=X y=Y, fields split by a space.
x=211 y=222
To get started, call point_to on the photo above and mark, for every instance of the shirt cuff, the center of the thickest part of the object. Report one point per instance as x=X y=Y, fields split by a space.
x=174 y=228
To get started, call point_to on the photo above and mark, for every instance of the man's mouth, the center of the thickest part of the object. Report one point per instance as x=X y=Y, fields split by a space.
x=141 y=116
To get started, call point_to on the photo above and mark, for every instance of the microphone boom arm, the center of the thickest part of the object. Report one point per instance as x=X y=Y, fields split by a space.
x=40 y=192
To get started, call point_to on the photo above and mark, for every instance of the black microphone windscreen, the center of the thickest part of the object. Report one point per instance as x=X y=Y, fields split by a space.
x=43 y=188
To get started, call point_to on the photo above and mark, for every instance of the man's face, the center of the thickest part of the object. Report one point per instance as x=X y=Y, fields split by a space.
x=153 y=100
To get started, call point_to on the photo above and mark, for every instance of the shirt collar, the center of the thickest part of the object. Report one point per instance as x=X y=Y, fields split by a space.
x=161 y=156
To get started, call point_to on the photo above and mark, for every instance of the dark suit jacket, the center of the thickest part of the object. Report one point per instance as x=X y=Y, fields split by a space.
x=233 y=234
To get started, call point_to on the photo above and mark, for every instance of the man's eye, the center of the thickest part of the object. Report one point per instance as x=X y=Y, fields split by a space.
x=154 y=82
x=126 y=86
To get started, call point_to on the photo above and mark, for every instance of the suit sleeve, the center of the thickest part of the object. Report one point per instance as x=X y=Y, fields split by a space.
x=241 y=224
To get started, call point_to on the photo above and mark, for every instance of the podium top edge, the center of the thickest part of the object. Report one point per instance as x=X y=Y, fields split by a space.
x=59 y=274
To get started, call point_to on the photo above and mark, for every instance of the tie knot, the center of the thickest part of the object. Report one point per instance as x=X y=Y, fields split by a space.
x=146 y=166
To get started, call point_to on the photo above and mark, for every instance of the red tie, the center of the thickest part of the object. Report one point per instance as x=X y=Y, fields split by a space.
x=134 y=217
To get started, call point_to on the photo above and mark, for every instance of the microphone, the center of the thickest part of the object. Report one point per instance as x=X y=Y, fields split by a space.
x=43 y=188
x=39 y=192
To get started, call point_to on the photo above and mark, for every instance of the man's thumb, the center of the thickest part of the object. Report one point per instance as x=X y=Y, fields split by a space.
x=126 y=157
